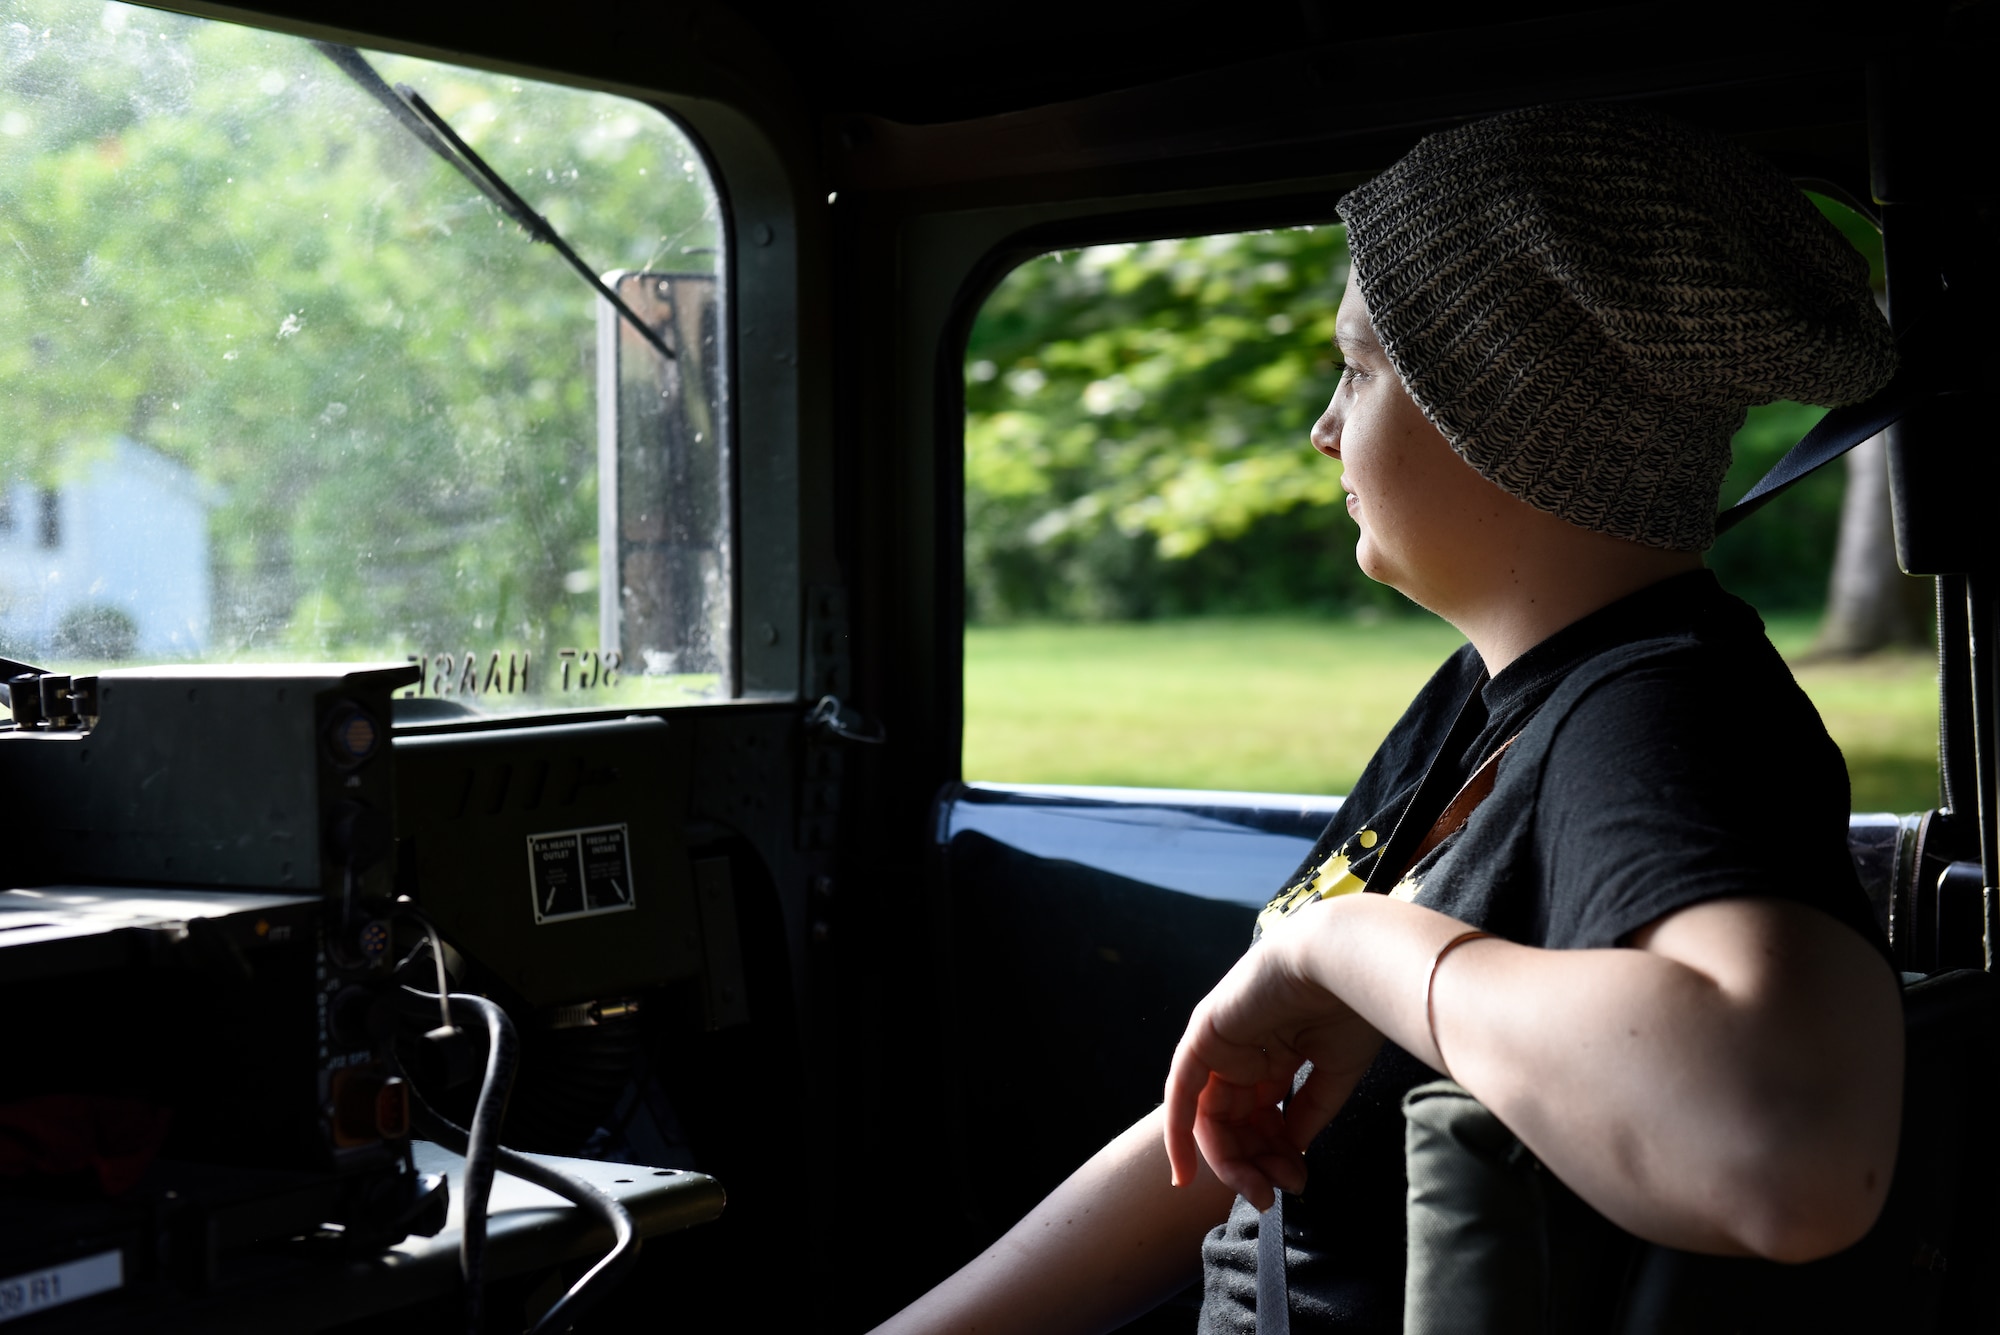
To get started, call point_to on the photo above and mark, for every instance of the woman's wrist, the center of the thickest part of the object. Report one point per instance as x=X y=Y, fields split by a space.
x=1377 y=955
x=1436 y=1057
x=1306 y=943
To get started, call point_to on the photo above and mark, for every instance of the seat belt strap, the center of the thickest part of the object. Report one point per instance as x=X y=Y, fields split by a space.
x=1459 y=810
x=1274 y=1300
x=1432 y=792
x=1837 y=433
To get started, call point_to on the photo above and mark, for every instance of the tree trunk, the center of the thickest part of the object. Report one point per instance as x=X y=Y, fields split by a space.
x=1870 y=603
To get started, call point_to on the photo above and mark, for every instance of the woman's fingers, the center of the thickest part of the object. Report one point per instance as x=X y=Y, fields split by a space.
x=1196 y=1091
x=1184 y=1084
x=1235 y=1064
x=1255 y=1146
x=1242 y=1135
x=1215 y=1076
x=1326 y=1089
x=1222 y=1105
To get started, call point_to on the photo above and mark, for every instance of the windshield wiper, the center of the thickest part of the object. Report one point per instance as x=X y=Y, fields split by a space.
x=435 y=133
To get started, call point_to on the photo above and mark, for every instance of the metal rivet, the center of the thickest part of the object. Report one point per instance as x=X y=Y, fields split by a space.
x=762 y=234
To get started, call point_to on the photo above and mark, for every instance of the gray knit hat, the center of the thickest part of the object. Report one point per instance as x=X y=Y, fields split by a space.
x=1586 y=300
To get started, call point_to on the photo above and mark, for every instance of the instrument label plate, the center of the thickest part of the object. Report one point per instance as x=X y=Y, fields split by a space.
x=580 y=873
x=52 y=1286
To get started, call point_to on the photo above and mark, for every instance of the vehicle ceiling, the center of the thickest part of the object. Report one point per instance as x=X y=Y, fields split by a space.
x=911 y=93
x=923 y=63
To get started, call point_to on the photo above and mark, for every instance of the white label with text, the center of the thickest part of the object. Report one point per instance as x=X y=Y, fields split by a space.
x=579 y=873
x=39 y=1290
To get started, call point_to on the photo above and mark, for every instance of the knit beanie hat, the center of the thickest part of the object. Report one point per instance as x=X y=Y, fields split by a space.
x=1586 y=300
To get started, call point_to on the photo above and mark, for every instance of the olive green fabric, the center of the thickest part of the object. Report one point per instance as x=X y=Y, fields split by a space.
x=1498 y=1244
x=1477 y=1219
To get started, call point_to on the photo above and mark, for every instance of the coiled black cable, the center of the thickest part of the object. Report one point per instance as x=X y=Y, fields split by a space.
x=483 y=1153
x=609 y=1211
x=482 y=1144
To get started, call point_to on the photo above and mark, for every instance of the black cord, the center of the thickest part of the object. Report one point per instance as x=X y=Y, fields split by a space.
x=416 y=915
x=609 y=1211
x=502 y=1057
x=481 y=1145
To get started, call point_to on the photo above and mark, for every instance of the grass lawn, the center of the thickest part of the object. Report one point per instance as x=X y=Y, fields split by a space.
x=1297 y=705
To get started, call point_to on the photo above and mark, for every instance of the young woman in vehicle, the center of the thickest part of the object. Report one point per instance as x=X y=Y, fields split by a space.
x=1645 y=954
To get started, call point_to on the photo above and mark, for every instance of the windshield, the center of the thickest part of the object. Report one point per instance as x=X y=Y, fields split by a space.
x=278 y=383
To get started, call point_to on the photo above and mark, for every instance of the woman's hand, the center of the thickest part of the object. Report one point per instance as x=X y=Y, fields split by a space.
x=1244 y=1046
x=1730 y=1083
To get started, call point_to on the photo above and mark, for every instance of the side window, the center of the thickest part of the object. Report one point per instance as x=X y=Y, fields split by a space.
x=1160 y=578
x=288 y=376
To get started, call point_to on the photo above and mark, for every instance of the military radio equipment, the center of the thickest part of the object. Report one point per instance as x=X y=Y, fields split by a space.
x=195 y=958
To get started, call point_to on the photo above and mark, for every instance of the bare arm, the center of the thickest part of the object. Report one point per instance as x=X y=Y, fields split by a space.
x=1732 y=1084
x=1111 y=1242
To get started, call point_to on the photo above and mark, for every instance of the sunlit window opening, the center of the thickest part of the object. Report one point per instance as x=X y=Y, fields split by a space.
x=1159 y=575
x=282 y=381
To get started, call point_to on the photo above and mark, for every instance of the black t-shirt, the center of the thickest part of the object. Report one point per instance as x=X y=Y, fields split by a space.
x=1661 y=755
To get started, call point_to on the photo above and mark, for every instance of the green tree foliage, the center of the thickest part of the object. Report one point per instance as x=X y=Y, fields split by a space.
x=1136 y=430
x=215 y=243
x=1136 y=420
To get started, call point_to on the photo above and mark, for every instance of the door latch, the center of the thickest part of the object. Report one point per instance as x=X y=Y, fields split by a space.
x=830 y=718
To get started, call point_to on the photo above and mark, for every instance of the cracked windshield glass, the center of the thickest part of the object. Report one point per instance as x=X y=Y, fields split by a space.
x=295 y=366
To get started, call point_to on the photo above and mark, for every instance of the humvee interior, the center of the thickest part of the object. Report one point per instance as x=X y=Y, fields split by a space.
x=646 y=619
